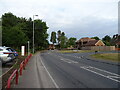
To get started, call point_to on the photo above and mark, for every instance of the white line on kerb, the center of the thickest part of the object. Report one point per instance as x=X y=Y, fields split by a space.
x=49 y=75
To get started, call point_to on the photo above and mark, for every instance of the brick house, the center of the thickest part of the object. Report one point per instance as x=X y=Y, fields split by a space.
x=88 y=42
x=51 y=47
x=118 y=45
x=94 y=43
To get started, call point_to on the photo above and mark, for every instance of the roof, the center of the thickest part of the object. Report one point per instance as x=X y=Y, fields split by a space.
x=85 y=39
x=91 y=43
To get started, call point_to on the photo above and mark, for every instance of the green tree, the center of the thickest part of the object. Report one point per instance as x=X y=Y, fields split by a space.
x=14 y=37
x=17 y=31
x=63 y=40
x=63 y=43
x=71 y=41
x=96 y=38
x=40 y=34
x=107 y=40
x=58 y=36
x=9 y=20
x=53 y=37
x=115 y=39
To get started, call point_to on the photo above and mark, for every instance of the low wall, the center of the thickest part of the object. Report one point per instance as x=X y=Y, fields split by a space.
x=99 y=48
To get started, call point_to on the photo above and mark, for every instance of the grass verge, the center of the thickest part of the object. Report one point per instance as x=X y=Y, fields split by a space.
x=108 y=56
x=75 y=51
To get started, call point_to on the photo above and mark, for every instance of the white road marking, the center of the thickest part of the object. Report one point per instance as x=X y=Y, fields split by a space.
x=105 y=71
x=109 y=77
x=65 y=59
x=68 y=61
x=49 y=75
x=114 y=76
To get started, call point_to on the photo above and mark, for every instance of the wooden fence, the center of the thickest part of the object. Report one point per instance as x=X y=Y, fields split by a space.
x=99 y=48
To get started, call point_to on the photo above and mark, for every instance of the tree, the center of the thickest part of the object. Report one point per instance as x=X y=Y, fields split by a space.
x=58 y=36
x=107 y=40
x=17 y=31
x=96 y=38
x=71 y=41
x=9 y=20
x=53 y=37
x=63 y=43
x=40 y=34
x=115 y=39
x=63 y=40
x=14 y=37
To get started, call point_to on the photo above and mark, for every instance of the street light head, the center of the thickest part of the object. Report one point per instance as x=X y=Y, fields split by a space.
x=36 y=15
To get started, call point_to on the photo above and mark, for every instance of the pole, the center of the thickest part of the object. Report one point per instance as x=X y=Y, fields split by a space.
x=33 y=33
x=28 y=47
x=0 y=31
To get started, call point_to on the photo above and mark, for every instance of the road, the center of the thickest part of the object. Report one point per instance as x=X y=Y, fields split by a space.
x=74 y=71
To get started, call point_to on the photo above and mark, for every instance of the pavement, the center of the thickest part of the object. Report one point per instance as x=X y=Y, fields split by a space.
x=35 y=75
x=51 y=69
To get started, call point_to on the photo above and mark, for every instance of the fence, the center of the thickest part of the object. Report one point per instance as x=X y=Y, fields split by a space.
x=99 y=48
x=16 y=73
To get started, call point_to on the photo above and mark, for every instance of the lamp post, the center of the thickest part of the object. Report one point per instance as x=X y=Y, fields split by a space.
x=28 y=47
x=33 y=32
x=0 y=31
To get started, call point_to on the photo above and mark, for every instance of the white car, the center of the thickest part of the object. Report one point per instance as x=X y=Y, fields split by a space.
x=6 y=55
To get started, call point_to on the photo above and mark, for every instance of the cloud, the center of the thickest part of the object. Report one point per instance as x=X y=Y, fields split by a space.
x=93 y=26
x=77 y=18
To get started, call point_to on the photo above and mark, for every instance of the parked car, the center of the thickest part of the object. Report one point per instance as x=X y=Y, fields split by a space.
x=15 y=53
x=6 y=54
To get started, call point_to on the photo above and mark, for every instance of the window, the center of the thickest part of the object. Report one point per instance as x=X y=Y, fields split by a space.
x=1 y=49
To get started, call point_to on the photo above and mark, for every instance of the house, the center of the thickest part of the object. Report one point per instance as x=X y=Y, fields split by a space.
x=88 y=42
x=94 y=43
x=118 y=45
x=51 y=47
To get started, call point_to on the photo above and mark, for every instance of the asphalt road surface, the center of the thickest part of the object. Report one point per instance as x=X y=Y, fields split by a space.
x=74 y=71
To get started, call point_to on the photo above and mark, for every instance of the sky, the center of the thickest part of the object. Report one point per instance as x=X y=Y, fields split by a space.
x=77 y=18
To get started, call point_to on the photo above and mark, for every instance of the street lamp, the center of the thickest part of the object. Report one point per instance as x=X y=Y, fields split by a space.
x=28 y=47
x=0 y=31
x=33 y=32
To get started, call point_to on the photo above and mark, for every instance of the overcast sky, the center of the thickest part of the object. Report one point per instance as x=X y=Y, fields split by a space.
x=77 y=18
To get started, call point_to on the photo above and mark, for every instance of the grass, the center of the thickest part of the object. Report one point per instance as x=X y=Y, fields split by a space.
x=75 y=51
x=108 y=56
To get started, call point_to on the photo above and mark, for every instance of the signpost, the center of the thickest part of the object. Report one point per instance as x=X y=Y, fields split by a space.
x=22 y=50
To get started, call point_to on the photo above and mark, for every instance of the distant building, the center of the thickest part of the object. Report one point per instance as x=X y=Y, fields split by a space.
x=118 y=45
x=85 y=42
x=95 y=43
x=51 y=47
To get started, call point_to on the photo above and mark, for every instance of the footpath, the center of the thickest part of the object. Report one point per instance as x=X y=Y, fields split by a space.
x=35 y=75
